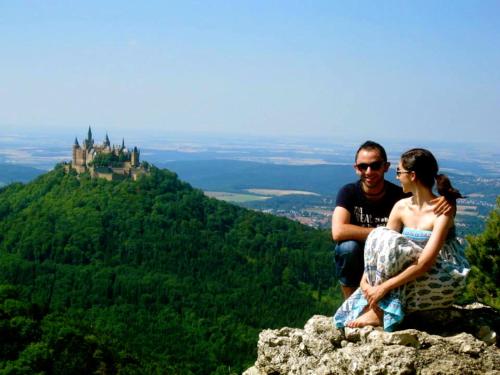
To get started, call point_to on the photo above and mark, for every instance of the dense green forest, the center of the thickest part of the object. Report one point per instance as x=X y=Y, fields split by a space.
x=484 y=255
x=148 y=277
x=32 y=341
x=153 y=277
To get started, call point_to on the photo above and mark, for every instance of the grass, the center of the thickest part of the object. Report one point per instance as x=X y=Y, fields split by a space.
x=235 y=197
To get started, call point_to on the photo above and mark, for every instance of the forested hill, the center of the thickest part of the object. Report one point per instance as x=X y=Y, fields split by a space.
x=147 y=277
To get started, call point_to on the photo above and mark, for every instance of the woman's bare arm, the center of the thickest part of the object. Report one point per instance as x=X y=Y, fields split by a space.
x=395 y=221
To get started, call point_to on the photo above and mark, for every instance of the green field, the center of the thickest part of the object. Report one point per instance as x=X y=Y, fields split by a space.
x=235 y=197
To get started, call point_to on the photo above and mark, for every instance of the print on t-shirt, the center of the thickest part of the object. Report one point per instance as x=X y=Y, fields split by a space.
x=366 y=219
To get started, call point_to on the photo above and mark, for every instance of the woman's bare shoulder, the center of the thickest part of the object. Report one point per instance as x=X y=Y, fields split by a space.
x=444 y=221
x=403 y=203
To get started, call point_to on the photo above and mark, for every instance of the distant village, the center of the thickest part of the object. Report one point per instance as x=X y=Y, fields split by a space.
x=111 y=162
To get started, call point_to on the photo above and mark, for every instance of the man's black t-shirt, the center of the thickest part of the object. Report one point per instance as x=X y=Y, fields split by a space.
x=365 y=212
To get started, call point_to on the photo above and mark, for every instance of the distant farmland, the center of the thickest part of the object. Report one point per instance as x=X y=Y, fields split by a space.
x=235 y=197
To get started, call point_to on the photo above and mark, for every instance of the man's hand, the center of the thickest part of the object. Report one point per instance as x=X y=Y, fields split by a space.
x=443 y=206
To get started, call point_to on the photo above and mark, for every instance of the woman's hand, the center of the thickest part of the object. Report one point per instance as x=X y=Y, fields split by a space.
x=363 y=284
x=373 y=294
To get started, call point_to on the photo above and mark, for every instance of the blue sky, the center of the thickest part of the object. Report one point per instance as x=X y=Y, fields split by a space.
x=395 y=70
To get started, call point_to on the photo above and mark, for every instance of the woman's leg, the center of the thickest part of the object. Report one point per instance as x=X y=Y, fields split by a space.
x=386 y=254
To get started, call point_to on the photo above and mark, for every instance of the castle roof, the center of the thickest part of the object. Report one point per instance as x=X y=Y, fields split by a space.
x=89 y=142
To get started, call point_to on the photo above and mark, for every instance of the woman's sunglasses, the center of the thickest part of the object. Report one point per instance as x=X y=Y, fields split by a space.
x=375 y=166
x=399 y=172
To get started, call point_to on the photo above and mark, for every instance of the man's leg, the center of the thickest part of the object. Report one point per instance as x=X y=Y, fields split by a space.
x=349 y=265
x=347 y=291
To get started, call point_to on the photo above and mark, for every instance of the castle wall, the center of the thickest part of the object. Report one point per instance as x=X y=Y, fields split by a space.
x=106 y=176
x=136 y=172
x=121 y=171
x=80 y=169
x=89 y=156
x=79 y=157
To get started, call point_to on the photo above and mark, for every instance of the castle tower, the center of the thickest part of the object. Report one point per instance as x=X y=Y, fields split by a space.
x=134 y=157
x=79 y=157
x=76 y=146
x=107 y=143
x=89 y=142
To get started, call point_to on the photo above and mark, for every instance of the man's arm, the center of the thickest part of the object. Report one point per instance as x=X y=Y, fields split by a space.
x=342 y=230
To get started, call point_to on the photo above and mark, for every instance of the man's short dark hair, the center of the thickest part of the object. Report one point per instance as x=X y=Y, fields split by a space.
x=370 y=145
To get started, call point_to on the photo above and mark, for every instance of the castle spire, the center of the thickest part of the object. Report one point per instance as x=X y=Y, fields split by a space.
x=76 y=142
x=106 y=141
x=123 y=143
x=89 y=142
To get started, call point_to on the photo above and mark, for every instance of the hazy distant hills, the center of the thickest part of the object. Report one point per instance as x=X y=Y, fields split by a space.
x=232 y=179
x=149 y=276
x=233 y=175
x=237 y=176
x=17 y=173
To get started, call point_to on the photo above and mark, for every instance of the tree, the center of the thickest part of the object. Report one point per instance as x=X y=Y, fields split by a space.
x=484 y=256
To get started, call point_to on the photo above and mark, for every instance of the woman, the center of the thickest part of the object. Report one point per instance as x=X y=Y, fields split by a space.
x=416 y=262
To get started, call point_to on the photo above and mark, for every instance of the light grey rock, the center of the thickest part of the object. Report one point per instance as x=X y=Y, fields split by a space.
x=322 y=349
x=404 y=338
x=372 y=359
x=253 y=371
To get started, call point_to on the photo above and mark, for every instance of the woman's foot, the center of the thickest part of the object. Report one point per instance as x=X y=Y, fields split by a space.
x=370 y=317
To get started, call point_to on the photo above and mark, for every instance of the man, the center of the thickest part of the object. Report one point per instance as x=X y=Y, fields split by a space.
x=362 y=206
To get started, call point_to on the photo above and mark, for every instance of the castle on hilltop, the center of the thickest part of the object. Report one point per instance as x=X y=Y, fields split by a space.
x=106 y=161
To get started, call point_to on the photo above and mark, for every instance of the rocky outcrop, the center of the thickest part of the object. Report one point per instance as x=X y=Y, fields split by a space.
x=460 y=341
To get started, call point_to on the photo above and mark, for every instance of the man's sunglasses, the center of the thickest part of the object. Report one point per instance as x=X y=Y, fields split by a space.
x=375 y=166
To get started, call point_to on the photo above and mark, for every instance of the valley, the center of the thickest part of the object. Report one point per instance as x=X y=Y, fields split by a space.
x=297 y=179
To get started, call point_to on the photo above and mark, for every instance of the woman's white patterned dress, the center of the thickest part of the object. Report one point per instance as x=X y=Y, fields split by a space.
x=387 y=253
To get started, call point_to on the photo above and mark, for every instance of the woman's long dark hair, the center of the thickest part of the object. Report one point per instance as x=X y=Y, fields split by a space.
x=425 y=166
